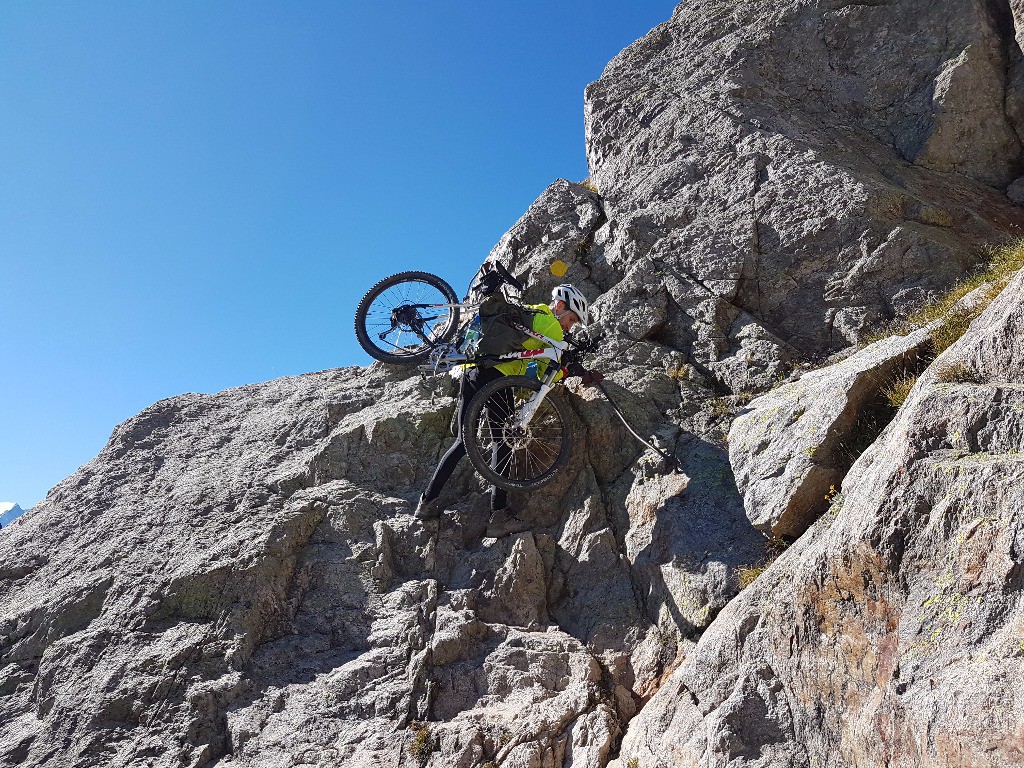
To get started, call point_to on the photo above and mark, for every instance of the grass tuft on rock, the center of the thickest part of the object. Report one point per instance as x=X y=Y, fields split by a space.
x=722 y=406
x=872 y=418
x=1001 y=263
x=1004 y=261
x=747 y=573
x=422 y=744
x=999 y=266
x=953 y=327
x=957 y=373
x=897 y=390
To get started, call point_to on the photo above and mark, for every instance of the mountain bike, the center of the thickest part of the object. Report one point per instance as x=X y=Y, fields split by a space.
x=518 y=435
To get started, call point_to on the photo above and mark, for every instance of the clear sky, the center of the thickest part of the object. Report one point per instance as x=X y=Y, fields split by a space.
x=195 y=194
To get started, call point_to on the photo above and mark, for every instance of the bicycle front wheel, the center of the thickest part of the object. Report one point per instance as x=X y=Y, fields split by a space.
x=403 y=317
x=510 y=456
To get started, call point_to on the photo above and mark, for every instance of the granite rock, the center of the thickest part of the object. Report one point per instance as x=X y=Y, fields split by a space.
x=765 y=154
x=791 y=447
x=889 y=634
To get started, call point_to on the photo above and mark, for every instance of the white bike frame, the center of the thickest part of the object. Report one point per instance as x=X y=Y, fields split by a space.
x=552 y=351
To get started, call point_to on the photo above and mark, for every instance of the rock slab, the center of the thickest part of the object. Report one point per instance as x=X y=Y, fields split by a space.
x=890 y=634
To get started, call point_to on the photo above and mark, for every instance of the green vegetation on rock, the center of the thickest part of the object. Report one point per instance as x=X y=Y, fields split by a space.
x=422 y=744
x=897 y=390
x=957 y=373
x=1001 y=263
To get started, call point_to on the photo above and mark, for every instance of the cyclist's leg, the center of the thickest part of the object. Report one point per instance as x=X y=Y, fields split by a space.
x=473 y=379
x=499 y=496
x=454 y=454
x=444 y=470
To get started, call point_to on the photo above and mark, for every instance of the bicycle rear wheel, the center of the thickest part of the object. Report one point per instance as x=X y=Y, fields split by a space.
x=506 y=455
x=398 y=321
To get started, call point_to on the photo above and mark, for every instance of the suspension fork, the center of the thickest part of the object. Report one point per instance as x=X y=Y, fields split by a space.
x=530 y=408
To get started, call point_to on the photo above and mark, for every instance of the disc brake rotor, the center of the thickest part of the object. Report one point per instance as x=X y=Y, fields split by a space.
x=514 y=436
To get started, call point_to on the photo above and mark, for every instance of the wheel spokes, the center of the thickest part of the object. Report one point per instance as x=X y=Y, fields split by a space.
x=388 y=310
x=530 y=451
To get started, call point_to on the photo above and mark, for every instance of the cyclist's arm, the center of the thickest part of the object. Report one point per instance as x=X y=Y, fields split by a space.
x=548 y=326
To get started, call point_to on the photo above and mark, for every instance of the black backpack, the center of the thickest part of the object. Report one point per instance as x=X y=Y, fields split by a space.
x=498 y=320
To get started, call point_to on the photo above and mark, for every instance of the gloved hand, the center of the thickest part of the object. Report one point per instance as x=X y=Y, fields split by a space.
x=591 y=378
x=574 y=368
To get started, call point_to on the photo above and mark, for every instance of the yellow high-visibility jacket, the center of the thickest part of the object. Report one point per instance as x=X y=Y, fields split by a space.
x=544 y=321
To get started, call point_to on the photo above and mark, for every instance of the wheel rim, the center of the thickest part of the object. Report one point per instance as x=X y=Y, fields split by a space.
x=393 y=322
x=524 y=453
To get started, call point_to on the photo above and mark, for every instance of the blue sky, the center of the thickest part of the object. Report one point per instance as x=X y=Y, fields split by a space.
x=194 y=195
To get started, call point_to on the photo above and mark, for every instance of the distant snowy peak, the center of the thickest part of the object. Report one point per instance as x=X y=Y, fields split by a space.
x=9 y=511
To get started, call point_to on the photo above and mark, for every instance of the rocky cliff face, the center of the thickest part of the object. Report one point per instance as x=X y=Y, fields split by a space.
x=237 y=578
x=892 y=633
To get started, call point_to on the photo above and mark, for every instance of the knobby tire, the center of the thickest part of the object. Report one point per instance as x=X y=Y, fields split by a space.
x=541 y=456
x=373 y=317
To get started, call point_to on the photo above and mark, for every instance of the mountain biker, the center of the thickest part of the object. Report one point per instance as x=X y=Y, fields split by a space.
x=568 y=307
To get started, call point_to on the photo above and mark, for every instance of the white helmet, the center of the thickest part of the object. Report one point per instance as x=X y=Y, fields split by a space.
x=574 y=300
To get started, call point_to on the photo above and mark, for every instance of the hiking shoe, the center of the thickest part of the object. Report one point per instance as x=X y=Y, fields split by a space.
x=427 y=510
x=504 y=523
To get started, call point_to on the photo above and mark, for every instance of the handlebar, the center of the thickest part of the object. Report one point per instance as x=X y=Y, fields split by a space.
x=490 y=278
x=584 y=345
x=507 y=276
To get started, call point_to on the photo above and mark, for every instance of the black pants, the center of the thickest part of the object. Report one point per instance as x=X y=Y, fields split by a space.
x=473 y=380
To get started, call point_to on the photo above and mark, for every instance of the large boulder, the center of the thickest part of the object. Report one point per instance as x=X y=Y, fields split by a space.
x=678 y=540
x=792 y=446
x=790 y=449
x=238 y=578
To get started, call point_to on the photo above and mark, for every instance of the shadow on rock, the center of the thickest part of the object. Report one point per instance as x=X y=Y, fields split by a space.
x=685 y=547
